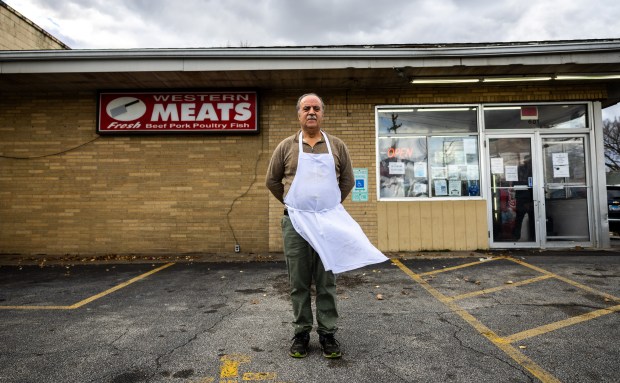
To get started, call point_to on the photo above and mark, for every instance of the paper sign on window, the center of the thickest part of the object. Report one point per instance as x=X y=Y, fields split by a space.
x=497 y=165
x=441 y=187
x=560 y=165
x=439 y=172
x=397 y=168
x=455 y=188
x=512 y=173
x=419 y=170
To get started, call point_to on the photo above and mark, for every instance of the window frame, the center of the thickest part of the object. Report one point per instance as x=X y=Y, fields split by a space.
x=428 y=136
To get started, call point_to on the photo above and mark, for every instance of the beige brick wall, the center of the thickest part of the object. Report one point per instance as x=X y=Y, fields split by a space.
x=122 y=194
x=179 y=193
x=19 y=33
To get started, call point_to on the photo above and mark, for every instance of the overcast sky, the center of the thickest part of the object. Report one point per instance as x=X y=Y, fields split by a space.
x=103 y=24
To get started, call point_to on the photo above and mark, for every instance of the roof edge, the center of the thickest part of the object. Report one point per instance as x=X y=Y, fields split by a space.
x=327 y=51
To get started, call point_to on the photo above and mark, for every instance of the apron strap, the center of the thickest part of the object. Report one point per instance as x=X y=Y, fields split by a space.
x=301 y=139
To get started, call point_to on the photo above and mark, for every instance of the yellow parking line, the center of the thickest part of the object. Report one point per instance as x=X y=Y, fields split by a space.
x=499 y=342
x=499 y=288
x=90 y=299
x=460 y=266
x=35 y=307
x=118 y=287
x=566 y=280
x=560 y=324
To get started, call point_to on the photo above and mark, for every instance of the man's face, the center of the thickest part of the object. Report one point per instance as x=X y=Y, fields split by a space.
x=310 y=114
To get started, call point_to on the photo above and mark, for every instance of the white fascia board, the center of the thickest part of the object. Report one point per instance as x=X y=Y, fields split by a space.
x=218 y=59
x=91 y=66
x=193 y=65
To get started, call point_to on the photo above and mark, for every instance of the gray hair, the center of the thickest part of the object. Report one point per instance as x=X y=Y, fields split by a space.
x=306 y=95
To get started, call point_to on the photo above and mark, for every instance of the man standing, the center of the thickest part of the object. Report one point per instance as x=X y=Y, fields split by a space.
x=311 y=173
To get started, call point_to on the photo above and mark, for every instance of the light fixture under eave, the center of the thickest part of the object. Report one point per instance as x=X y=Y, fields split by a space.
x=429 y=80
x=444 y=109
x=588 y=77
x=395 y=110
x=516 y=79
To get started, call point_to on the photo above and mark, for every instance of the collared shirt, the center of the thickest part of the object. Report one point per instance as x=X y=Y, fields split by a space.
x=283 y=165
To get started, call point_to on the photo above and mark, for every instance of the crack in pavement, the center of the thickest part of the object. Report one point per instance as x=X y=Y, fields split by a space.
x=158 y=362
x=393 y=372
x=459 y=328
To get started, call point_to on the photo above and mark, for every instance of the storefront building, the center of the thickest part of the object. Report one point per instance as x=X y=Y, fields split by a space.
x=455 y=147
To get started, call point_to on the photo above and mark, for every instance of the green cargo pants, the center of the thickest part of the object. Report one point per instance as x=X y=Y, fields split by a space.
x=304 y=265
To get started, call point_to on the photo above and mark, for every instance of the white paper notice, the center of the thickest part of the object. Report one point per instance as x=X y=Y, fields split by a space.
x=454 y=172
x=419 y=169
x=455 y=188
x=511 y=173
x=397 y=168
x=560 y=165
x=560 y=171
x=560 y=159
x=497 y=165
x=439 y=172
x=419 y=188
x=441 y=187
x=472 y=172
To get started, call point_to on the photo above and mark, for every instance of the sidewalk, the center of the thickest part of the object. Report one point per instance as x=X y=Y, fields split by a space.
x=422 y=318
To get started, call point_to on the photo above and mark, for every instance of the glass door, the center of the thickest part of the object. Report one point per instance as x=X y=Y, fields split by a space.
x=566 y=190
x=513 y=198
x=539 y=191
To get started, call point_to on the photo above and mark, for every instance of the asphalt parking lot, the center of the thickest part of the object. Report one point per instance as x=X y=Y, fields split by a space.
x=483 y=317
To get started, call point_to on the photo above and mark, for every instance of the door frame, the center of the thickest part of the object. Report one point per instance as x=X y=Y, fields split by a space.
x=488 y=192
x=590 y=195
x=538 y=190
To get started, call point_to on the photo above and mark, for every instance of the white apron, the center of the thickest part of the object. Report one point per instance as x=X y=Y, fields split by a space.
x=314 y=207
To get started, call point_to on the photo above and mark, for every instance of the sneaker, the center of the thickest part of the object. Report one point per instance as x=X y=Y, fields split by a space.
x=299 y=349
x=330 y=346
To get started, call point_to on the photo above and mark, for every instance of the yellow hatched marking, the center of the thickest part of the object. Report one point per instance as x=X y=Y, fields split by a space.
x=259 y=376
x=230 y=365
x=90 y=299
x=460 y=266
x=560 y=324
x=499 y=288
x=499 y=342
x=566 y=280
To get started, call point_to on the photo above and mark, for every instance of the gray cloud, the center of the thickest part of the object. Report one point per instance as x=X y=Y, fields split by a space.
x=217 y=23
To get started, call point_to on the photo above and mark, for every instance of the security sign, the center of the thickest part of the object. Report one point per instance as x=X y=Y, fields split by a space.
x=162 y=112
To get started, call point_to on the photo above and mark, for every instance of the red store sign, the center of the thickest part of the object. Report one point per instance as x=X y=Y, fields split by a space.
x=158 y=112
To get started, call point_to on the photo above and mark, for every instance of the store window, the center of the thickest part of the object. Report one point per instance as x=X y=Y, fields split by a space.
x=554 y=116
x=428 y=152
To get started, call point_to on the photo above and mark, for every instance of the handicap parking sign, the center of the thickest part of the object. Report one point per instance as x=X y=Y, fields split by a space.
x=360 y=192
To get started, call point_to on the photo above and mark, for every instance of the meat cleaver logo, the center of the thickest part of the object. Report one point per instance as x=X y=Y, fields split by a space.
x=126 y=108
